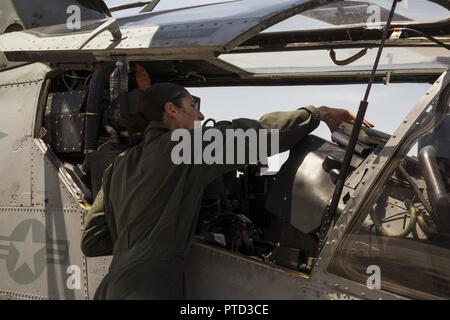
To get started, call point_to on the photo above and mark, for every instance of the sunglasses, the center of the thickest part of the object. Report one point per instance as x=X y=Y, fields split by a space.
x=196 y=101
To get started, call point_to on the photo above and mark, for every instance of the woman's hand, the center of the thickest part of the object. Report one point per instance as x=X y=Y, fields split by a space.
x=333 y=117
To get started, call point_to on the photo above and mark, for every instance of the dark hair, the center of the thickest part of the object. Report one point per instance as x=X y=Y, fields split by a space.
x=153 y=100
x=138 y=109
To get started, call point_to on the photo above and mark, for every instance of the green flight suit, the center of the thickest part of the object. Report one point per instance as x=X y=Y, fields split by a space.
x=146 y=213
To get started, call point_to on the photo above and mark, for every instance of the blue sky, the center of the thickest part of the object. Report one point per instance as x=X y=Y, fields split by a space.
x=388 y=106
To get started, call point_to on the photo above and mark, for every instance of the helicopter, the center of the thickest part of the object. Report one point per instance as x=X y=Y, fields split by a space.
x=364 y=215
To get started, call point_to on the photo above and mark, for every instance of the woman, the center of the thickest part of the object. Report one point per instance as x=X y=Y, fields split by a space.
x=147 y=212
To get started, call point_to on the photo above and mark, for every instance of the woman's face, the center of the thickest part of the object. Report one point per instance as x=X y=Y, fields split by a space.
x=186 y=113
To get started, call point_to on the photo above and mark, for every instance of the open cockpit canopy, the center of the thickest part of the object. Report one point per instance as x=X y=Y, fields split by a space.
x=252 y=42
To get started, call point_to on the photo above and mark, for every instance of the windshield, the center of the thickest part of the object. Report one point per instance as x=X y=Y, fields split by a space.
x=319 y=60
x=343 y=13
x=403 y=230
x=337 y=14
x=369 y=13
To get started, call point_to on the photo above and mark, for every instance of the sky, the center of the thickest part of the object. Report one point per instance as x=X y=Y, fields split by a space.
x=388 y=104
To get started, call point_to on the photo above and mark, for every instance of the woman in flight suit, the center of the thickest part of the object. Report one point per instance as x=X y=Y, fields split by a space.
x=147 y=210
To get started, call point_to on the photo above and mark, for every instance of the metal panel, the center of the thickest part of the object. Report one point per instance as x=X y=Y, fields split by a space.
x=219 y=274
x=53 y=188
x=299 y=196
x=64 y=121
x=19 y=94
x=30 y=73
x=63 y=219
x=33 y=260
x=40 y=255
